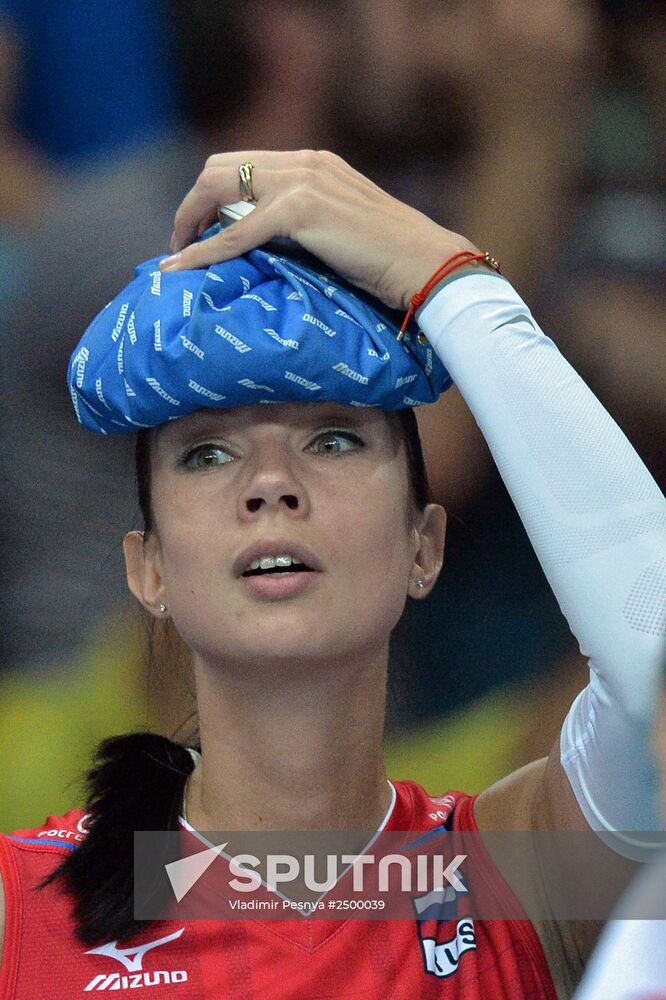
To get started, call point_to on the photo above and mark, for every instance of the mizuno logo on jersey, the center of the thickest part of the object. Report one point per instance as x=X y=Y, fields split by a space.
x=132 y=959
x=114 y=981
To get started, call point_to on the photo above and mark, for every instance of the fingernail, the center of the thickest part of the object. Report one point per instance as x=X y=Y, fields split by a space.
x=172 y=241
x=170 y=263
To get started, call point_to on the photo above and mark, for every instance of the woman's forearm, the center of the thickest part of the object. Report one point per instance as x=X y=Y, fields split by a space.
x=596 y=519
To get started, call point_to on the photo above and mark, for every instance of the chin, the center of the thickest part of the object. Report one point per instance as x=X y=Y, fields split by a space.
x=283 y=651
x=289 y=634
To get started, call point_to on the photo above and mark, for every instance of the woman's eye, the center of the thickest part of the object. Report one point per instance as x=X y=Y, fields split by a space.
x=206 y=456
x=336 y=443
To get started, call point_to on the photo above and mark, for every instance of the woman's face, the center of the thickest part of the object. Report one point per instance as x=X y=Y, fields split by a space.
x=324 y=483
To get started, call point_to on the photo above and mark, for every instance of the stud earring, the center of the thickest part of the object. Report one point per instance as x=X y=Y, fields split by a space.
x=420 y=584
x=163 y=608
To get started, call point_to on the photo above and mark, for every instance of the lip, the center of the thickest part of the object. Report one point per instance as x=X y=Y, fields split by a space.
x=276 y=546
x=276 y=588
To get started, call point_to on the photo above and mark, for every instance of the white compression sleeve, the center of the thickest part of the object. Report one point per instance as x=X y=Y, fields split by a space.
x=597 y=522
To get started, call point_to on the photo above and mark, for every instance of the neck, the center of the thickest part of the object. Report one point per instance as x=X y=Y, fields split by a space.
x=295 y=749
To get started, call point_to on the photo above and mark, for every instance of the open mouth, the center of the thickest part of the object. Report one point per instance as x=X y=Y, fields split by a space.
x=278 y=570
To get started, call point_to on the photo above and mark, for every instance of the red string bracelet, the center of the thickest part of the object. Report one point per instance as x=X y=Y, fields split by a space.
x=450 y=265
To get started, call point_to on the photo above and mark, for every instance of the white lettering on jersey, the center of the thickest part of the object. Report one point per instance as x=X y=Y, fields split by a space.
x=63 y=834
x=442 y=958
x=114 y=981
x=82 y=825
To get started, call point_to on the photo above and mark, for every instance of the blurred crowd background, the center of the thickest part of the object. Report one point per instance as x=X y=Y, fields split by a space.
x=534 y=129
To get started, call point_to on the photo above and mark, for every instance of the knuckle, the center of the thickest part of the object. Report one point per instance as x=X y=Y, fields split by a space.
x=328 y=158
x=208 y=178
x=311 y=159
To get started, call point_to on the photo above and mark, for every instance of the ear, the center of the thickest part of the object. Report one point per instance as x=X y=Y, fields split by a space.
x=429 y=537
x=143 y=567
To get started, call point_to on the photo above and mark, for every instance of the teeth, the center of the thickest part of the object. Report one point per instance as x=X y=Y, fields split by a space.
x=270 y=562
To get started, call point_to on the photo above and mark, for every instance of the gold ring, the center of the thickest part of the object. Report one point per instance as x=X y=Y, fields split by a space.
x=245 y=174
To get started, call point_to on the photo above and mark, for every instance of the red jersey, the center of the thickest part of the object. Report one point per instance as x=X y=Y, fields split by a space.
x=261 y=959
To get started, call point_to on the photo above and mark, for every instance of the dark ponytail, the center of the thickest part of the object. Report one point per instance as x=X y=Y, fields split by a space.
x=136 y=782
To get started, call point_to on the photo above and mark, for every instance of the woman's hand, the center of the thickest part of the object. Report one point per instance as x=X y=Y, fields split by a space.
x=317 y=199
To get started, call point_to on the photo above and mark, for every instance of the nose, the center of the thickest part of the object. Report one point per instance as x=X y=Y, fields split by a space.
x=273 y=485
